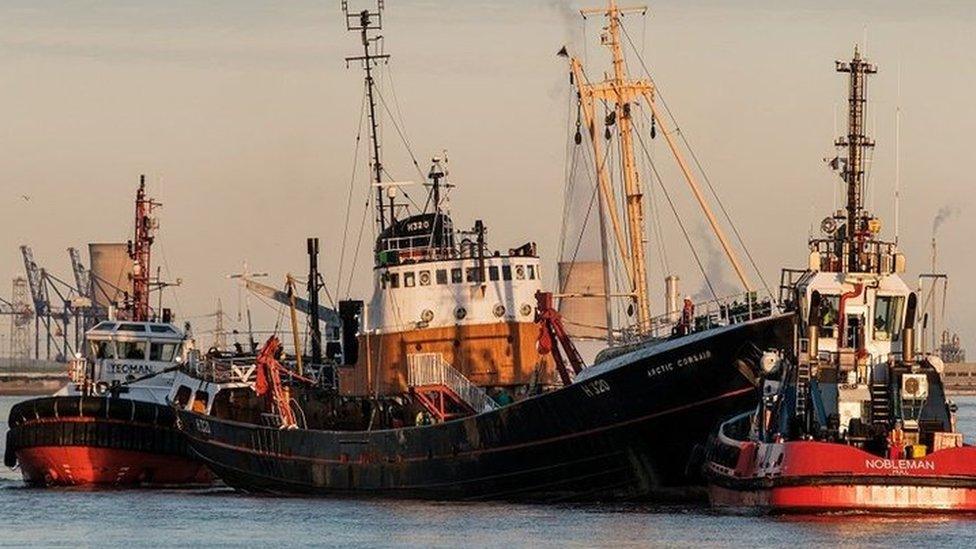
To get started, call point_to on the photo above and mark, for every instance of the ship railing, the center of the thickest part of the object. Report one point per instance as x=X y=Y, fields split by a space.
x=872 y=256
x=425 y=369
x=726 y=446
x=788 y=280
x=714 y=313
x=224 y=369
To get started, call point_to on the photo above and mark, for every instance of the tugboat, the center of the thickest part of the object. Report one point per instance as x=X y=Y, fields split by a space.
x=851 y=417
x=111 y=425
x=458 y=380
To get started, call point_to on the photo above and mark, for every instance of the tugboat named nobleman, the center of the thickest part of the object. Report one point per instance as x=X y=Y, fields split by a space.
x=851 y=417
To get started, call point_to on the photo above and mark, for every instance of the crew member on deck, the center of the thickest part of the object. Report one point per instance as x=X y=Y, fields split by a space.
x=896 y=442
x=687 y=316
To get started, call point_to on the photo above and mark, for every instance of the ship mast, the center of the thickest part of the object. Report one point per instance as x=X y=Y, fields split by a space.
x=140 y=253
x=363 y=22
x=857 y=143
x=624 y=95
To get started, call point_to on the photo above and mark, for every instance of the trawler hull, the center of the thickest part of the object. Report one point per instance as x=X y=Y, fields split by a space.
x=631 y=429
x=73 y=441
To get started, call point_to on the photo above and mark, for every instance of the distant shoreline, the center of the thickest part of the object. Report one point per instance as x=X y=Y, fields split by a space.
x=31 y=384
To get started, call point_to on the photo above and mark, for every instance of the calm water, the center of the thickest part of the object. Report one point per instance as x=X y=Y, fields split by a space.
x=220 y=517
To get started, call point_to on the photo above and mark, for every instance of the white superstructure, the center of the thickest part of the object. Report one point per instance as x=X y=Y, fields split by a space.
x=135 y=359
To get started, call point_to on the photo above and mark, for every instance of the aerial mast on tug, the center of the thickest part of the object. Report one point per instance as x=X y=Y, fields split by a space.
x=858 y=225
x=140 y=253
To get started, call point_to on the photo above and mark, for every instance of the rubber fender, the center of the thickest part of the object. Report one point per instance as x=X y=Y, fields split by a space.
x=144 y=412
x=92 y=407
x=44 y=407
x=118 y=408
x=9 y=455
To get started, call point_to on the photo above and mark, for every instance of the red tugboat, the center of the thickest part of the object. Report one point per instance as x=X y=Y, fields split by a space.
x=112 y=425
x=851 y=418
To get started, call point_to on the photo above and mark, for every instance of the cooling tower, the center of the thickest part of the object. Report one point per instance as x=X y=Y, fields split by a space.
x=111 y=270
x=584 y=317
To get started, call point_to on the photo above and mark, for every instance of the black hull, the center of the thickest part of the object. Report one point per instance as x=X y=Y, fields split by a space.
x=70 y=440
x=633 y=429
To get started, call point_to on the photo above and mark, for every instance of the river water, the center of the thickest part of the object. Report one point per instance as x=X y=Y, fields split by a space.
x=221 y=517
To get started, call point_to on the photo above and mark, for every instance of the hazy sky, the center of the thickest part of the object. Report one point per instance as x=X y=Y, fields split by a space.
x=243 y=116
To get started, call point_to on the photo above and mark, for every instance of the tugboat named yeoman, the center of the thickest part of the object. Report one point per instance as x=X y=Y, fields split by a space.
x=851 y=419
x=111 y=425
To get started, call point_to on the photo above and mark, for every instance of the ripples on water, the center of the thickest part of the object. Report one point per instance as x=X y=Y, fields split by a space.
x=220 y=517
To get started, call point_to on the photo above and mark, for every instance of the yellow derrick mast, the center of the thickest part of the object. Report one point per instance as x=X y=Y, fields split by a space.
x=622 y=96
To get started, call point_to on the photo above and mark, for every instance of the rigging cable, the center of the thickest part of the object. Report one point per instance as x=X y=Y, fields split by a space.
x=352 y=186
x=568 y=170
x=403 y=137
x=728 y=217
x=359 y=241
x=677 y=217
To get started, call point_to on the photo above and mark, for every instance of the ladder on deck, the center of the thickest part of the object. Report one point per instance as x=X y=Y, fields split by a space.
x=880 y=401
x=442 y=389
x=802 y=388
x=880 y=404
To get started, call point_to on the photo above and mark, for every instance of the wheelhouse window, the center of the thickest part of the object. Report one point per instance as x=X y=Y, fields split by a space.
x=829 y=309
x=473 y=274
x=132 y=350
x=531 y=272
x=409 y=280
x=887 y=316
x=183 y=396
x=506 y=272
x=394 y=280
x=164 y=352
x=493 y=273
x=441 y=276
x=425 y=278
x=103 y=349
x=456 y=277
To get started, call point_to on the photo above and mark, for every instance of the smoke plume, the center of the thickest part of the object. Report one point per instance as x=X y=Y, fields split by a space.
x=945 y=214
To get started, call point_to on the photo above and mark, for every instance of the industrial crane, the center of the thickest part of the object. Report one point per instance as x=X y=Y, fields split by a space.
x=55 y=317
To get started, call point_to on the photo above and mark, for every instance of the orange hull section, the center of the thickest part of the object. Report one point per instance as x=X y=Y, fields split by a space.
x=86 y=465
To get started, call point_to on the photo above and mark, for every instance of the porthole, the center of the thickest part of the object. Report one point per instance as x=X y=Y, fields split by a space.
x=526 y=309
x=425 y=278
x=427 y=315
x=520 y=272
x=499 y=310
x=460 y=313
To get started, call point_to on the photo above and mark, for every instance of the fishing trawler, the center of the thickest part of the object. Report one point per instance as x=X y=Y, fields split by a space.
x=851 y=417
x=457 y=380
x=111 y=425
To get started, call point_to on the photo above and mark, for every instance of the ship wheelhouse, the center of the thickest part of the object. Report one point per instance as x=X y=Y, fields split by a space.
x=130 y=357
x=443 y=299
